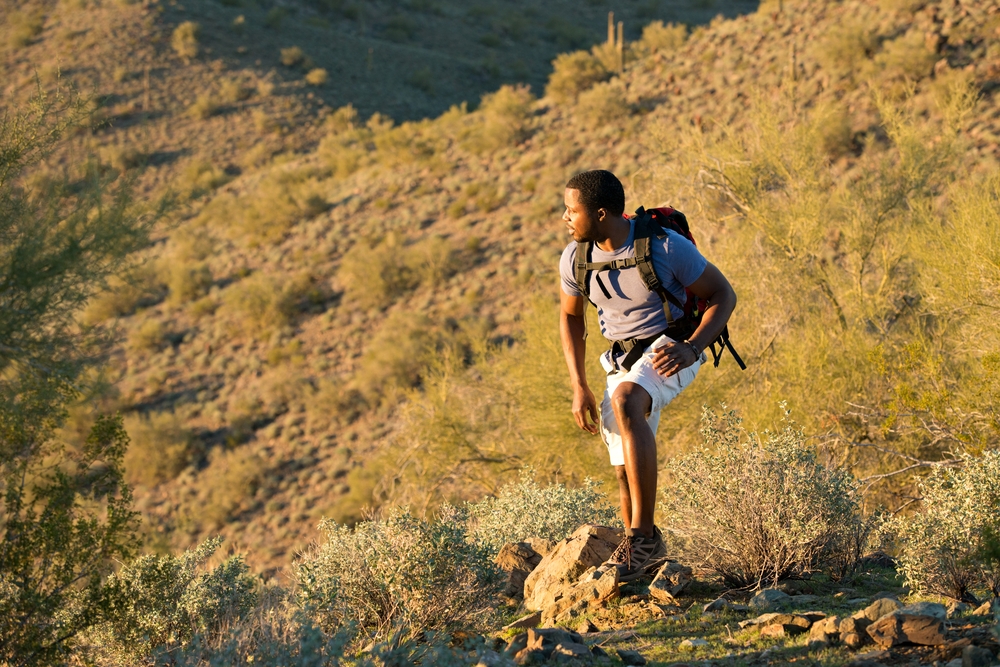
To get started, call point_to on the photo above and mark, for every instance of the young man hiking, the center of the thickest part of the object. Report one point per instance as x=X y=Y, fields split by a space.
x=655 y=352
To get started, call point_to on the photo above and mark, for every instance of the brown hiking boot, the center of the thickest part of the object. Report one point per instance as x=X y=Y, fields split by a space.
x=637 y=555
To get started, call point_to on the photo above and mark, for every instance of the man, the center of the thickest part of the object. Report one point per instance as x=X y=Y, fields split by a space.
x=630 y=311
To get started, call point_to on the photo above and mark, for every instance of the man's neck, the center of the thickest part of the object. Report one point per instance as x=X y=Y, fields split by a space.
x=615 y=234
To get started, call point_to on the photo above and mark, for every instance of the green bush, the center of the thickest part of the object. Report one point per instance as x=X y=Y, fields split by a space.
x=758 y=508
x=398 y=574
x=602 y=105
x=573 y=73
x=188 y=282
x=526 y=509
x=161 y=447
x=505 y=119
x=943 y=547
x=125 y=294
x=907 y=57
x=204 y=107
x=157 y=603
x=667 y=38
x=376 y=274
x=150 y=335
x=258 y=304
x=184 y=40
x=317 y=77
x=24 y=27
x=846 y=50
x=292 y=56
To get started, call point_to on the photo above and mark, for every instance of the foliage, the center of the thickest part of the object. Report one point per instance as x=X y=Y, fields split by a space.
x=317 y=76
x=24 y=27
x=184 y=40
x=397 y=576
x=943 y=547
x=65 y=510
x=161 y=447
x=258 y=304
x=659 y=37
x=160 y=602
x=505 y=119
x=603 y=104
x=758 y=508
x=573 y=73
x=526 y=509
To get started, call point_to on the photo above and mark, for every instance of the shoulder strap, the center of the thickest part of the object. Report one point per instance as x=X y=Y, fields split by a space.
x=583 y=249
x=644 y=231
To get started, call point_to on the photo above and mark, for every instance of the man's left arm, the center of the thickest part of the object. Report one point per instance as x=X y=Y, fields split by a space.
x=713 y=287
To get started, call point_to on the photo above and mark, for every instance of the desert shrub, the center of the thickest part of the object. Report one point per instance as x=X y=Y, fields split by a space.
x=184 y=40
x=505 y=119
x=226 y=487
x=397 y=356
x=161 y=447
x=526 y=509
x=906 y=56
x=377 y=274
x=160 y=602
x=188 y=282
x=200 y=177
x=150 y=335
x=258 y=304
x=757 y=508
x=397 y=574
x=233 y=91
x=24 y=27
x=125 y=293
x=602 y=104
x=659 y=37
x=292 y=56
x=847 y=48
x=203 y=107
x=942 y=547
x=573 y=73
x=317 y=77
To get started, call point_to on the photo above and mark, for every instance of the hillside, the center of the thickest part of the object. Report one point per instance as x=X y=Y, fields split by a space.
x=289 y=349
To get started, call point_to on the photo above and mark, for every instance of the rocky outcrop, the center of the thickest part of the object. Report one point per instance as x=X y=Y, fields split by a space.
x=517 y=560
x=593 y=590
x=900 y=628
x=588 y=547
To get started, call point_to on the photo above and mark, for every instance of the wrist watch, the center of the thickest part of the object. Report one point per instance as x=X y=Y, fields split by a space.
x=697 y=352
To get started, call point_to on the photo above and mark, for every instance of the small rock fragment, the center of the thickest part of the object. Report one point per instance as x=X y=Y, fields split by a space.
x=517 y=643
x=586 y=627
x=529 y=621
x=956 y=608
x=631 y=657
x=669 y=581
x=571 y=650
x=986 y=609
x=692 y=644
x=781 y=630
x=529 y=656
x=597 y=651
x=881 y=607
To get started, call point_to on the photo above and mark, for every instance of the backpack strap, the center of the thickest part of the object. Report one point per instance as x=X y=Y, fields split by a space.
x=583 y=250
x=644 y=232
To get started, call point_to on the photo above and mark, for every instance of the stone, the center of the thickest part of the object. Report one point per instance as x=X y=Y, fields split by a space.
x=825 y=631
x=630 y=657
x=517 y=644
x=926 y=609
x=597 y=651
x=546 y=639
x=987 y=608
x=517 y=560
x=664 y=610
x=975 y=656
x=803 y=600
x=897 y=628
x=593 y=591
x=781 y=630
x=490 y=659
x=763 y=619
x=669 y=581
x=869 y=659
x=588 y=547
x=881 y=607
x=719 y=604
x=541 y=546
x=586 y=627
x=692 y=644
x=956 y=608
x=770 y=598
x=852 y=640
x=532 y=620
x=853 y=624
x=529 y=656
x=957 y=662
x=570 y=650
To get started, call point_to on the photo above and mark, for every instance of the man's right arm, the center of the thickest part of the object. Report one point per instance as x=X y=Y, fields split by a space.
x=571 y=331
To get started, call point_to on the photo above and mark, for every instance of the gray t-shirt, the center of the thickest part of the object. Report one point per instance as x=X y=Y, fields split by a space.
x=633 y=311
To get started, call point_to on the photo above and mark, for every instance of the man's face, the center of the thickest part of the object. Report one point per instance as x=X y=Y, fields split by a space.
x=580 y=222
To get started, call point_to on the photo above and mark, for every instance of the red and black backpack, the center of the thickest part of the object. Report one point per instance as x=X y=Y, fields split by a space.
x=649 y=224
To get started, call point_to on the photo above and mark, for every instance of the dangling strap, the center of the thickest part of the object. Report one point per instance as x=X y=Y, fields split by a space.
x=724 y=344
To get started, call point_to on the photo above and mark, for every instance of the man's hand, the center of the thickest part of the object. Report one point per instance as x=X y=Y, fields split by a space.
x=672 y=358
x=585 y=404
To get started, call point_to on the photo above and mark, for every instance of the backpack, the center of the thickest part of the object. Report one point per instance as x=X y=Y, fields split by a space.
x=648 y=224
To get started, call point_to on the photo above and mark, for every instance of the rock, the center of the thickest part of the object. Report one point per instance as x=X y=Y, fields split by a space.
x=517 y=560
x=571 y=650
x=956 y=608
x=517 y=644
x=926 y=609
x=853 y=602
x=899 y=628
x=975 y=656
x=597 y=651
x=545 y=641
x=781 y=630
x=664 y=610
x=588 y=547
x=763 y=619
x=852 y=640
x=490 y=659
x=853 y=624
x=869 y=659
x=825 y=631
x=529 y=656
x=669 y=581
x=987 y=608
x=957 y=662
x=530 y=621
x=881 y=607
x=770 y=598
x=593 y=591
x=541 y=546
x=719 y=604
x=803 y=600
x=586 y=627
x=692 y=644
x=631 y=657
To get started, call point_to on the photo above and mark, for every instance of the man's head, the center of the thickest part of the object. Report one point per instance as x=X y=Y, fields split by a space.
x=592 y=198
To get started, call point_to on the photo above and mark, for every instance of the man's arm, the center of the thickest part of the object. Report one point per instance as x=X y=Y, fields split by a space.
x=714 y=287
x=571 y=332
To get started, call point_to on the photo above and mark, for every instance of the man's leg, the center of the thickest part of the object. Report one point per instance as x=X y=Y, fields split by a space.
x=631 y=404
x=624 y=496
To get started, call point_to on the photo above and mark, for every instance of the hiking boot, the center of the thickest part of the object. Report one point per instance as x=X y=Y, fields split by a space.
x=637 y=555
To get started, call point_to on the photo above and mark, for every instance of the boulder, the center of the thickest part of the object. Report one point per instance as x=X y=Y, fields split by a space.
x=595 y=589
x=670 y=580
x=532 y=620
x=770 y=598
x=881 y=607
x=852 y=640
x=781 y=630
x=546 y=640
x=631 y=657
x=692 y=644
x=975 y=656
x=570 y=651
x=898 y=628
x=722 y=604
x=588 y=547
x=987 y=608
x=803 y=599
x=541 y=546
x=517 y=560
x=926 y=609
x=853 y=624
x=517 y=643
x=824 y=631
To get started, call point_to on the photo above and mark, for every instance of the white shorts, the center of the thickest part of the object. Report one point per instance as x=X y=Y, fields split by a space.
x=661 y=389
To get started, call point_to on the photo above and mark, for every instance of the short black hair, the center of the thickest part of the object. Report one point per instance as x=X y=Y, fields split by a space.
x=599 y=188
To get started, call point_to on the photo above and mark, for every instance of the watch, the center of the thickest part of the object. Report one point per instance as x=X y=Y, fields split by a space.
x=697 y=352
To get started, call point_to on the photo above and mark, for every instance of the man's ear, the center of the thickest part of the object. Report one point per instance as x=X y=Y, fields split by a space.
x=602 y=214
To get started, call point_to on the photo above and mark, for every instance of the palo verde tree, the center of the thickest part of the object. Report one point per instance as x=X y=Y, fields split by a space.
x=65 y=511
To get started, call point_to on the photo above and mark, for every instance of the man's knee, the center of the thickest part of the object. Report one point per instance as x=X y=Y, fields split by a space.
x=631 y=401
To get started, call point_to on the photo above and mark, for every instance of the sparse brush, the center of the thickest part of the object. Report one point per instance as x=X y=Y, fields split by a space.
x=184 y=40
x=161 y=448
x=257 y=305
x=657 y=37
x=150 y=335
x=505 y=118
x=24 y=26
x=204 y=107
x=573 y=73
x=317 y=77
x=187 y=282
x=292 y=56
x=233 y=91
x=228 y=485
x=602 y=105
